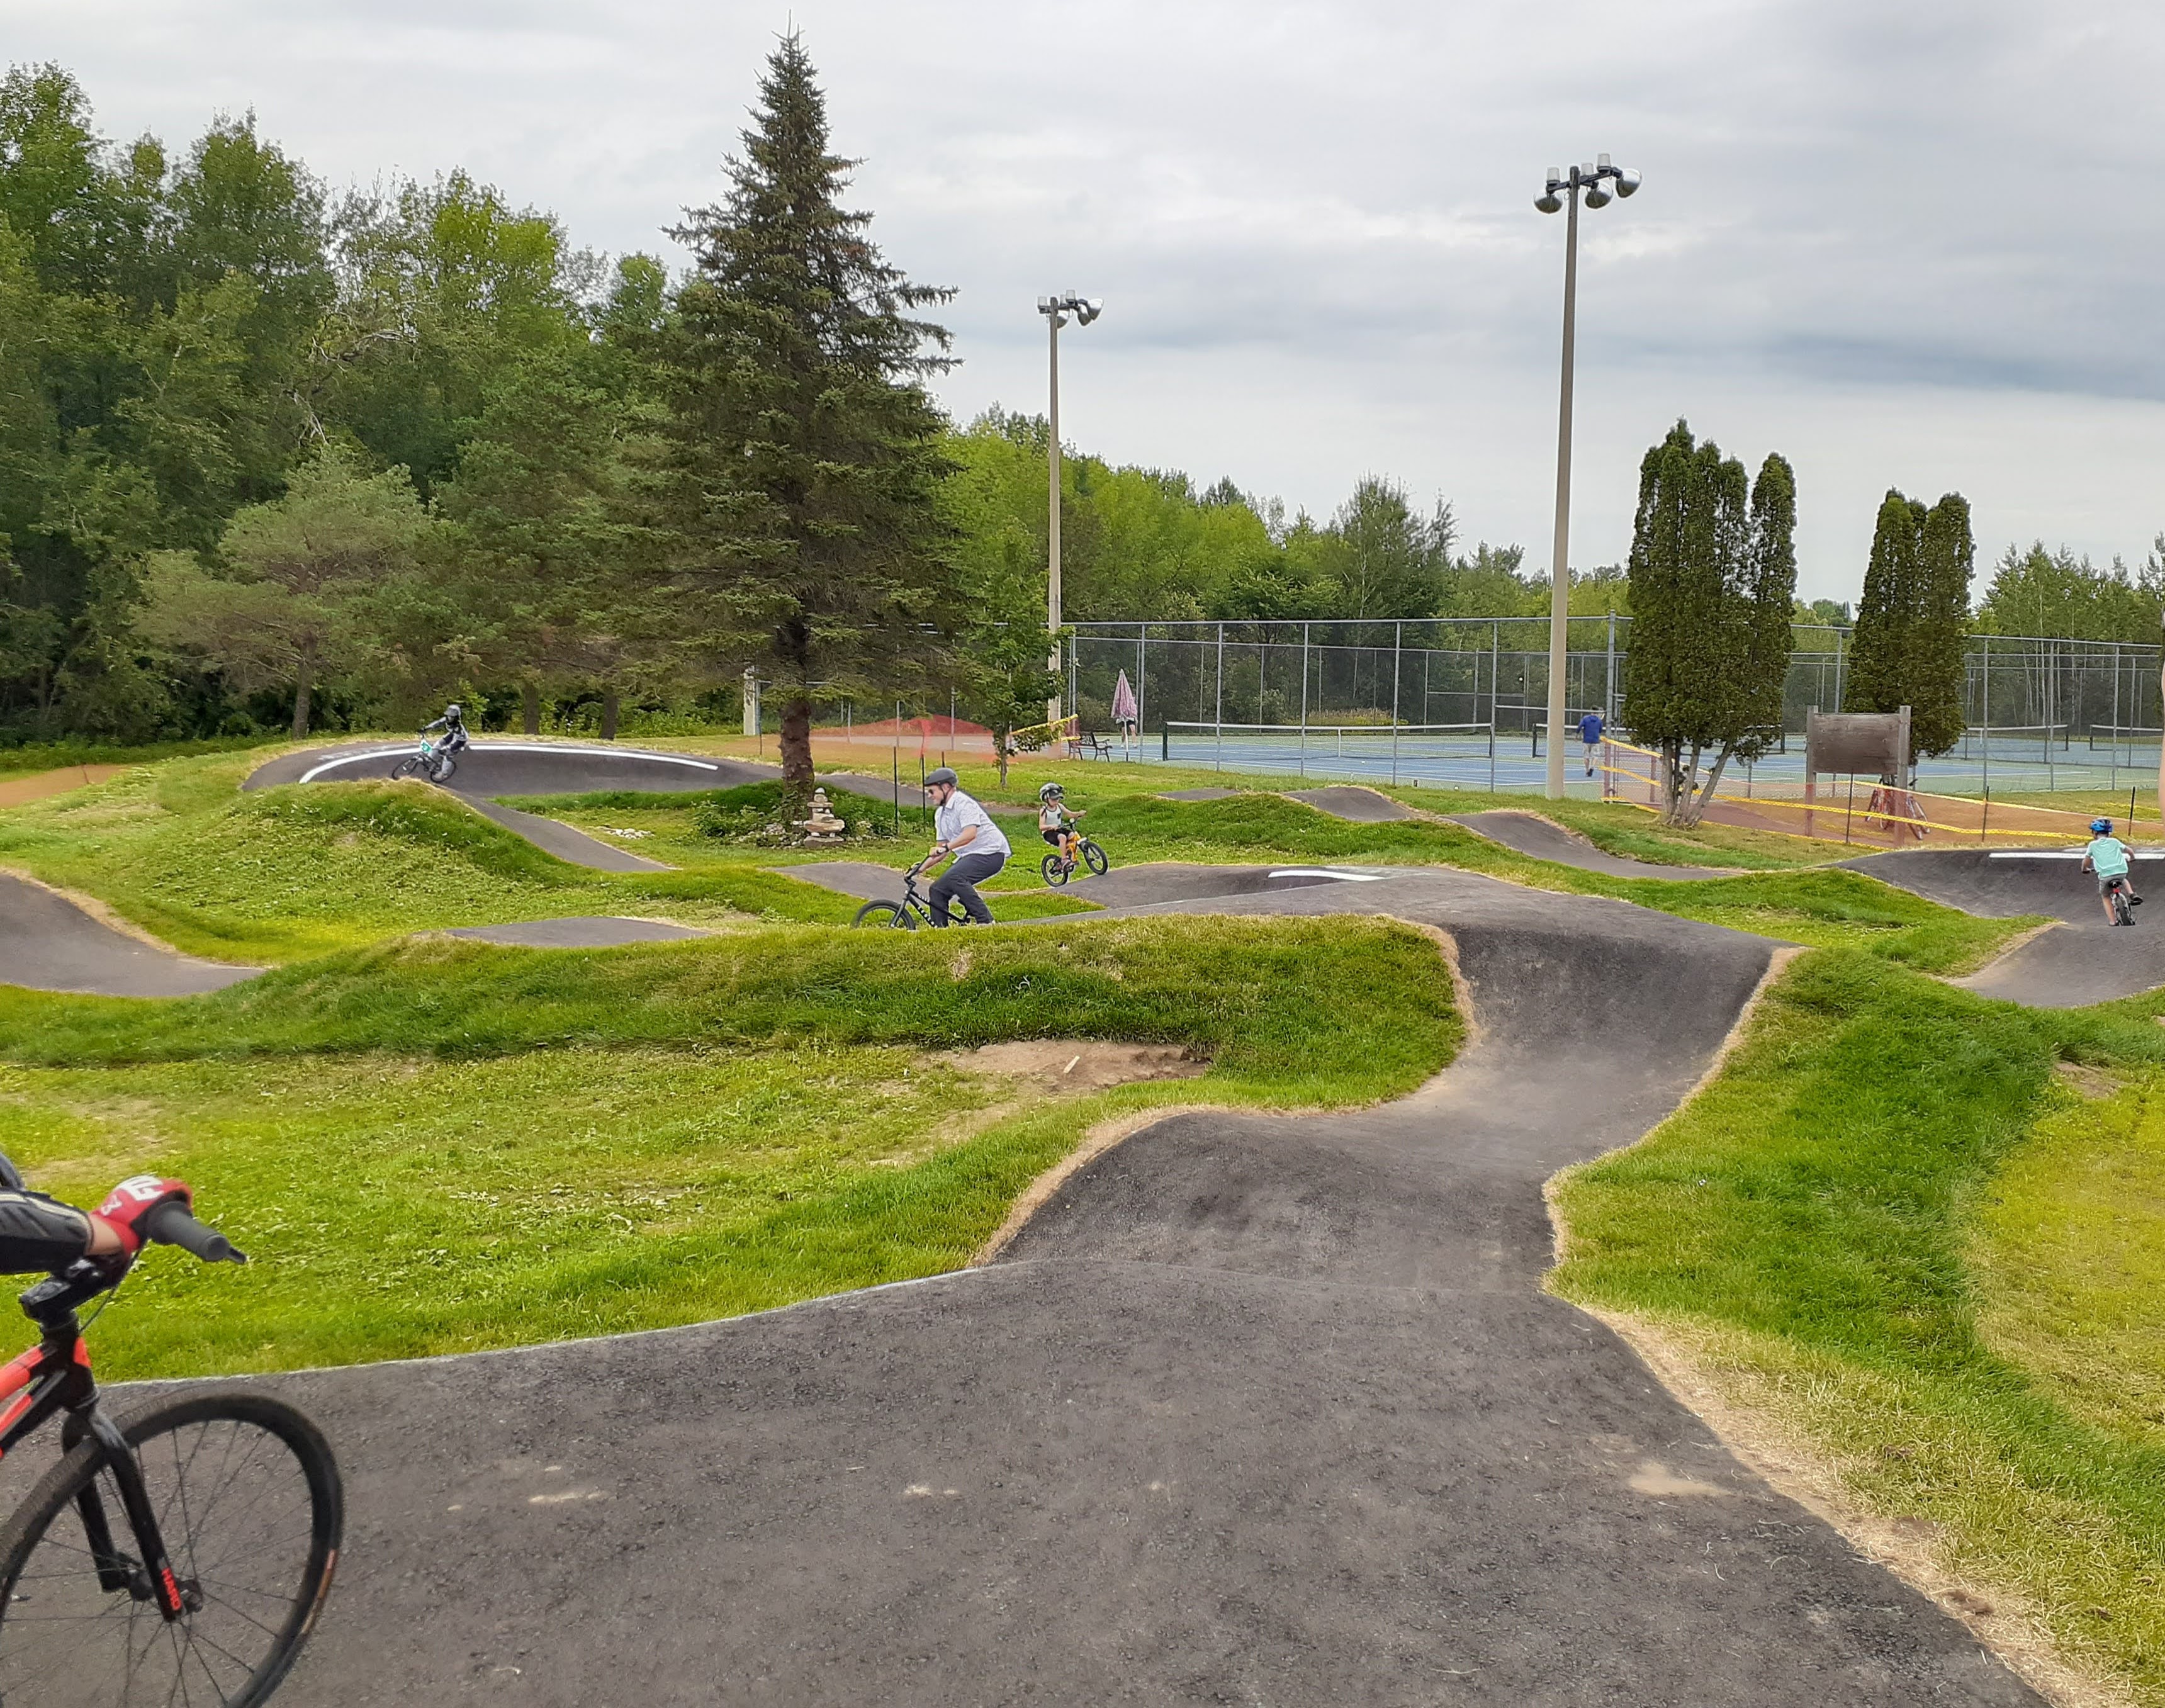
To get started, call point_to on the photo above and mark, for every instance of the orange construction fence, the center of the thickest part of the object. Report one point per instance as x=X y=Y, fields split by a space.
x=1843 y=809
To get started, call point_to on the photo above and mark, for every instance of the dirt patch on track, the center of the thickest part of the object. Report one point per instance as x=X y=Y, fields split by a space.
x=42 y=785
x=1077 y=1064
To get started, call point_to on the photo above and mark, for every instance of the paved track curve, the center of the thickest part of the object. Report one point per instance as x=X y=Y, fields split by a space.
x=1257 y=1409
x=2071 y=964
x=1363 y=806
x=1543 y=839
x=49 y=942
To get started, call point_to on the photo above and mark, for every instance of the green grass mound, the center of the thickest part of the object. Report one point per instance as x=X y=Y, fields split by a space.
x=1887 y=1224
x=445 y=1145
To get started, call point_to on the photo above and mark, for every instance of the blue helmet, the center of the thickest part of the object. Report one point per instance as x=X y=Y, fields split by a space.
x=2100 y=827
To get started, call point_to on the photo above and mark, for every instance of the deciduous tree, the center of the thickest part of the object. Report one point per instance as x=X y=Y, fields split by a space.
x=286 y=601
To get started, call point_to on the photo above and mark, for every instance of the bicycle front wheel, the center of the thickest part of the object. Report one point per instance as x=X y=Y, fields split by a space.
x=892 y=915
x=1093 y=856
x=249 y=1506
x=405 y=768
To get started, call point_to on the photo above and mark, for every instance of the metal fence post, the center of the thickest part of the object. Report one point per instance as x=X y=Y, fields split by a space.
x=1398 y=651
x=1304 y=700
x=1609 y=710
x=1221 y=697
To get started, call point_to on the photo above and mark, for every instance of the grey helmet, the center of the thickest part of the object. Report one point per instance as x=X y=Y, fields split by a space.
x=941 y=775
x=452 y=711
x=1052 y=792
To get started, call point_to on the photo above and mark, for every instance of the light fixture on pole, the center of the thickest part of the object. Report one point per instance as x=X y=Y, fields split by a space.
x=1597 y=183
x=1056 y=310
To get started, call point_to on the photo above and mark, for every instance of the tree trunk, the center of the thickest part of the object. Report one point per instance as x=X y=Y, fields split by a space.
x=1000 y=746
x=1704 y=797
x=797 y=745
x=608 y=714
x=1678 y=795
x=301 y=698
x=529 y=705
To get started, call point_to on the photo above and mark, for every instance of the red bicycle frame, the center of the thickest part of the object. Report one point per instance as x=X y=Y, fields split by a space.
x=53 y=1376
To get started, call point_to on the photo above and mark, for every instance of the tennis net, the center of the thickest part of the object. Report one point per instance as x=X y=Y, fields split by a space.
x=1372 y=741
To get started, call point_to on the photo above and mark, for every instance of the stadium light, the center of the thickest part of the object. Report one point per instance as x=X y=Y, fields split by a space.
x=1056 y=310
x=1597 y=183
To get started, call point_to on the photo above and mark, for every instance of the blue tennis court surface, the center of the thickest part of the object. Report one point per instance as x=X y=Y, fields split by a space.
x=1461 y=756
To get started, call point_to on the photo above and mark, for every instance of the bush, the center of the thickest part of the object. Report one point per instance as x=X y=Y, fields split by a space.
x=764 y=814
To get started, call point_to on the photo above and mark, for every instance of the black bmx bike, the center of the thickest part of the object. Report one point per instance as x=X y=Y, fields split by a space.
x=434 y=762
x=902 y=915
x=181 y=1556
x=2123 y=912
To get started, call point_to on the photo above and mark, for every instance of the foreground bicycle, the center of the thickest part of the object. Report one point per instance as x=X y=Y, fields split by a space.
x=179 y=1558
x=898 y=915
x=433 y=763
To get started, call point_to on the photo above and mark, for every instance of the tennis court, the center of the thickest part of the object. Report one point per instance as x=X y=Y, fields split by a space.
x=1476 y=757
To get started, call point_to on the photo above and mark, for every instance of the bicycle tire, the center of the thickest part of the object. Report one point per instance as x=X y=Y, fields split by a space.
x=2121 y=910
x=1093 y=856
x=1055 y=870
x=67 y=1642
x=890 y=913
x=444 y=766
x=405 y=768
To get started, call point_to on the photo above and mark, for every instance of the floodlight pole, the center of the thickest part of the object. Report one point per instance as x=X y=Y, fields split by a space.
x=1560 y=559
x=1053 y=322
x=1594 y=180
x=1056 y=310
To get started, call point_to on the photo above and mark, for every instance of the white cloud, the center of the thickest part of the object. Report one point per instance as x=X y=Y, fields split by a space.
x=1911 y=245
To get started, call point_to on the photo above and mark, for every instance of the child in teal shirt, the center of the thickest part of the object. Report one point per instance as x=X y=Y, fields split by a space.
x=2107 y=856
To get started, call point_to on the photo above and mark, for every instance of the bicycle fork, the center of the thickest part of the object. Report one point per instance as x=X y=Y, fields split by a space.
x=150 y=1578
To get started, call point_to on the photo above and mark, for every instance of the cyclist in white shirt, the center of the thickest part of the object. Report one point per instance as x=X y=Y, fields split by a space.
x=967 y=832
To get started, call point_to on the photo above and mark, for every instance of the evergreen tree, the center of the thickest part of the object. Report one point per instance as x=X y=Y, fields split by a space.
x=1712 y=577
x=804 y=451
x=1908 y=646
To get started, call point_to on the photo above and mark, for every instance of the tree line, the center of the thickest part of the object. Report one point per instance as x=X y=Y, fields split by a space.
x=275 y=457
x=272 y=457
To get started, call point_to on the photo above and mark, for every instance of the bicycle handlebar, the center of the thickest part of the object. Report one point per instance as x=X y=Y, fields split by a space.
x=170 y=1224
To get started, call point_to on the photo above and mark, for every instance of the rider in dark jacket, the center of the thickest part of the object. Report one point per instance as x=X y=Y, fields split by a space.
x=453 y=723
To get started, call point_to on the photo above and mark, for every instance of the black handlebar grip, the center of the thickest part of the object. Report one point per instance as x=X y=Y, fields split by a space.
x=170 y=1224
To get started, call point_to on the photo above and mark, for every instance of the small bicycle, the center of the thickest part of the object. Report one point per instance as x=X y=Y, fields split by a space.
x=433 y=763
x=1059 y=866
x=181 y=1557
x=900 y=916
x=2123 y=914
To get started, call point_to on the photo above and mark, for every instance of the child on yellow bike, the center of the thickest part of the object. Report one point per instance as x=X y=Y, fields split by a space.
x=1054 y=817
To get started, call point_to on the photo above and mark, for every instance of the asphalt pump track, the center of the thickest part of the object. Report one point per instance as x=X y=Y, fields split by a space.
x=1261 y=1409
x=1257 y=1409
x=2077 y=959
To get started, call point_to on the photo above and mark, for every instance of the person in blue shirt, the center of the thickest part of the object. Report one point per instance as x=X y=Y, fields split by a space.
x=1589 y=731
x=2107 y=856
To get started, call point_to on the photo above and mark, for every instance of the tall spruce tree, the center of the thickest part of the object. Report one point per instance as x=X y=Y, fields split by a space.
x=1713 y=574
x=804 y=451
x=1910 y=622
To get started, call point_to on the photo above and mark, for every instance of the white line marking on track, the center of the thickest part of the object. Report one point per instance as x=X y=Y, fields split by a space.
x=2063 y=854
x=310 y=776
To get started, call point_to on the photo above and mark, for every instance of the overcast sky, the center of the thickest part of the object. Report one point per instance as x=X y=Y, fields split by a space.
x=1912 y=244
